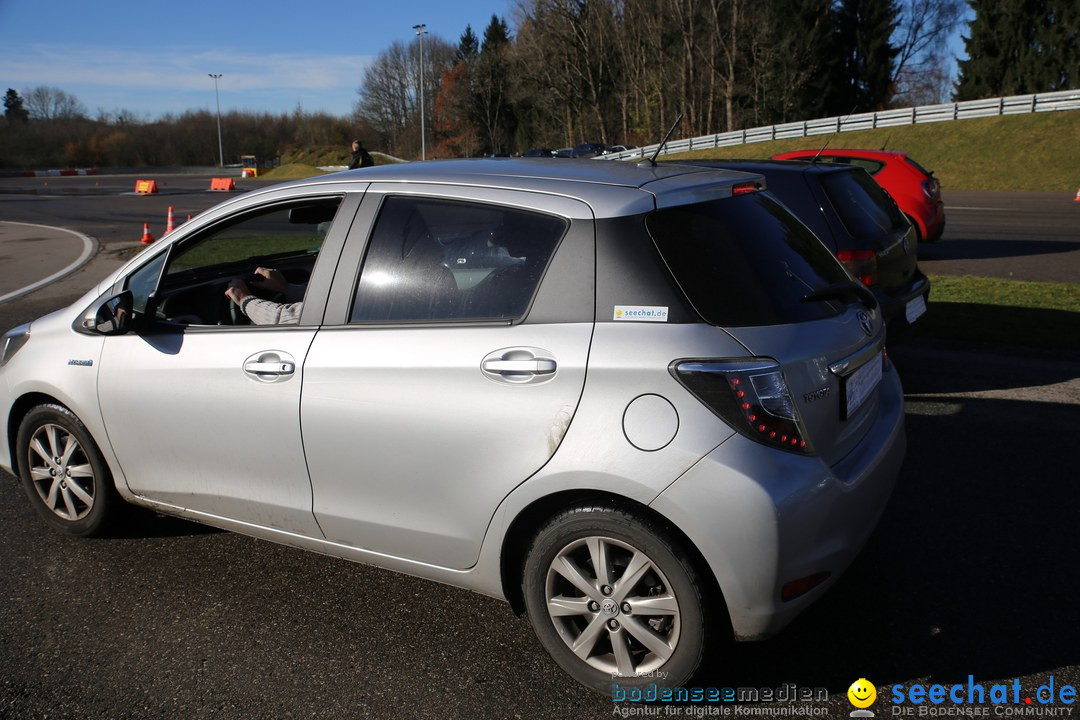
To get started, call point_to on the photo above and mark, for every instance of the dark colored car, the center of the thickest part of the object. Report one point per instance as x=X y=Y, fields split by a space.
x=913 y=187
x=588 y=150
x=540 y=152
x=858 y=221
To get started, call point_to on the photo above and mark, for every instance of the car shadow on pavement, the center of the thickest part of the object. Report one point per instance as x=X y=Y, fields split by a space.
x=930 y=365
x=992 y=249
x=971 y=570
x=138 y=522
x=131 y=522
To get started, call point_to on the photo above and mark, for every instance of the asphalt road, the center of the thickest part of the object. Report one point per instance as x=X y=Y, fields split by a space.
x=972 y=570
x=1024 y=236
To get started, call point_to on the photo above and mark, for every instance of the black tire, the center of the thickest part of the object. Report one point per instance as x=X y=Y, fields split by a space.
x=675 y=626
x=63 y=473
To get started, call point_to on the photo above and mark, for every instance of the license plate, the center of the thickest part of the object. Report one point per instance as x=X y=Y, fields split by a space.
x=915 y=308
x=859 y=384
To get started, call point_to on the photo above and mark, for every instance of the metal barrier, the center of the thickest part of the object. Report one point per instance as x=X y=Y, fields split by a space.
x=1013 y=105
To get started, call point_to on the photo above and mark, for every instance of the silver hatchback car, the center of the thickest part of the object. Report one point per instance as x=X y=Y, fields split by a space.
x=644 y=405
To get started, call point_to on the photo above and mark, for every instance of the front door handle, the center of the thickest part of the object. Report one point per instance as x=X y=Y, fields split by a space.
x=269 y=368
x=536 y=366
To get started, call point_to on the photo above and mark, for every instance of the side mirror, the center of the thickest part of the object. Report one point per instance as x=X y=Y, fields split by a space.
x=111 y=316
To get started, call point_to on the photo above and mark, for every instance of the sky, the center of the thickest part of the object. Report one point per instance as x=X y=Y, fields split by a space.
x=151 y=58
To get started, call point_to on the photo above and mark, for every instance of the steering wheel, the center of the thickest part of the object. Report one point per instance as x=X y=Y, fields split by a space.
x=236 y=317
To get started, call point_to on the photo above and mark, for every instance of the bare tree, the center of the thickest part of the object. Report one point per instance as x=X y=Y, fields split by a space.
x=51 y=103
x=389 y=98
x=385 y=102
x=920 y=37
x=579 y=59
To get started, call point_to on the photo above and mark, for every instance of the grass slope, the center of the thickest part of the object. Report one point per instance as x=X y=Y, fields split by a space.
x=1037 y=152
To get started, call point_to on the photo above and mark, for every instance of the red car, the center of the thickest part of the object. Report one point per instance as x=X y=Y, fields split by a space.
x=912 y=187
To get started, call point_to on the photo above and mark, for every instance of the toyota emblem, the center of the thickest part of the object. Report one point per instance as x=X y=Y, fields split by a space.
x=866 y=322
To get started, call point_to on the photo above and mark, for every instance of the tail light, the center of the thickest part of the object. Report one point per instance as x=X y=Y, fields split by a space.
x=931 y=188
x=751 y=396
x=860 y=263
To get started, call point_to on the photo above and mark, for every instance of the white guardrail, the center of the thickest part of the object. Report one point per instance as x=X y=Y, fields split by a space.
x=1013 y=105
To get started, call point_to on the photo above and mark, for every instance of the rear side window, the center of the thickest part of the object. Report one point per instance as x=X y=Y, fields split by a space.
x=745 y=261
x=870 y=166
x=437 y=260
x=863 y=207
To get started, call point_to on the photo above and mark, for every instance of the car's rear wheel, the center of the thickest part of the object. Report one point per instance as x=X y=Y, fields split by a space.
x=615 y=599
x=63 y=473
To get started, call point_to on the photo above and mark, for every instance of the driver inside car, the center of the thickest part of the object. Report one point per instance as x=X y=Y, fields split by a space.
x=268 y=312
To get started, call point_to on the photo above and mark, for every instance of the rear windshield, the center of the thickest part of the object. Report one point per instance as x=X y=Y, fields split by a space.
x=863 y=207
x=745 y=261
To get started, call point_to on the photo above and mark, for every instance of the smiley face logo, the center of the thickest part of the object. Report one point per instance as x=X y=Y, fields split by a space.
x=862 y=693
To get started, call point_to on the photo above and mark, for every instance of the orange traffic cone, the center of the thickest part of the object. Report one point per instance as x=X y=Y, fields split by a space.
x=1077 y=198
x=147 y=238
x=169 y=224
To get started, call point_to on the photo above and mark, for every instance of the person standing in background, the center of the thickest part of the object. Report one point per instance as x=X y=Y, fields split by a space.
x=361 y=158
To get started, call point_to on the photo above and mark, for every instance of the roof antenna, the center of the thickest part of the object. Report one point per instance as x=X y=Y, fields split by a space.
x=651 y=162
x=829 y=139
x=886 y=143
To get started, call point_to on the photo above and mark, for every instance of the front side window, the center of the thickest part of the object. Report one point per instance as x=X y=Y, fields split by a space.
x=285 y=238
x=143 y=281
x=432 y=260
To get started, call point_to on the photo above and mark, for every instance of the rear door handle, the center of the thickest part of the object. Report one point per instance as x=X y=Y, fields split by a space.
x=536 y=367
x=519 y=366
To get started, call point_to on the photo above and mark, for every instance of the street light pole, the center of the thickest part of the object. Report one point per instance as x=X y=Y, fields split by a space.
x=221 y=153
x=421 y=30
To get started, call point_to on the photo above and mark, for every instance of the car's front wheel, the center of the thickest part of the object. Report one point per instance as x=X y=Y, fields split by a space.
x=615 y=599
x=63 y=473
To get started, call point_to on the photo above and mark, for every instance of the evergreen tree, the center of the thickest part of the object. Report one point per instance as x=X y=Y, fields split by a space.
x=468 y=46
x=14 y=111
x=493 y=88
x=863 y=77
x=457 y=123
x=1020 y=46
x=796 y=62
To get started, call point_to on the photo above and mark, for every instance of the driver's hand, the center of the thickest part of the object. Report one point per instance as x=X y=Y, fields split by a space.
x=237 y=291
x=275 y=281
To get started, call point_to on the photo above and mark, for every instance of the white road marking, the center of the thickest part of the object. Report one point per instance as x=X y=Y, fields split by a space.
x=89 y=247
x=980 y=209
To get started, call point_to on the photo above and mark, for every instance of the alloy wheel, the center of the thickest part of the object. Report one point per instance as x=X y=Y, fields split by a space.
x=61 y=472
x=612 y=606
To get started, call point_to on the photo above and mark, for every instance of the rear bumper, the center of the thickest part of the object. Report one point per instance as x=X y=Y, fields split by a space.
x=933 y=222
x=894 y=305
x=758 y=532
